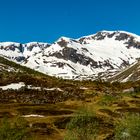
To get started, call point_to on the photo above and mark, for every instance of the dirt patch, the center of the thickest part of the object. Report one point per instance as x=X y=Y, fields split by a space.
x=122 y=104
x=132 y=110
x=109 y=112
x=5 y=114
x=135 y=102
x=28 y=111
x=43 y=131
x=62 y=122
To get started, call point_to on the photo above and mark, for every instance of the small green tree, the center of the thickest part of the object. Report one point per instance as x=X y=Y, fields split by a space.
x=83 y=126
x=128 y=128
x=13 y=131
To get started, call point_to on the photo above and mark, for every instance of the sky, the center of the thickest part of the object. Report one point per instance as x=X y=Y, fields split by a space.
x=46 y=20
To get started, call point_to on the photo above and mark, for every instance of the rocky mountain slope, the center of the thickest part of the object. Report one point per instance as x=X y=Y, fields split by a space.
x=100 y=55
x=131 y=73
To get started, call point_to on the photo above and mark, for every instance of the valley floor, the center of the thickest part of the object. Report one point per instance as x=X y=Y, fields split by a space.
x=48 y=121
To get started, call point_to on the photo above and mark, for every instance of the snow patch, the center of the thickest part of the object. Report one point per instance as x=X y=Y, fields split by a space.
x=33 y=115
x=14 y=86
x=17 y=86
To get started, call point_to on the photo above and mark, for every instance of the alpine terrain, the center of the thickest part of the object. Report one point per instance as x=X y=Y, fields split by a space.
x=101 y=55
x=36 y=104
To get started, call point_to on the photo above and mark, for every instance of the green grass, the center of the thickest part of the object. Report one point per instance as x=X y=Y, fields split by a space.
x=15 y=130
x=107 y=100
x=128 y=128
x=83 y=126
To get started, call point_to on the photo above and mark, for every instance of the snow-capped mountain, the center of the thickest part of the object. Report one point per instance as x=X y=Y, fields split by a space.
x=100 y=55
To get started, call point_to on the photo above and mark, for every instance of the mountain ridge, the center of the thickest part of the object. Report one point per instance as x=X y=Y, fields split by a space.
x=100 y=55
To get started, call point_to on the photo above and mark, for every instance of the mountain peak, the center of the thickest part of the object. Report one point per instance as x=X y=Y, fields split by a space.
x=63 y=38
x=99 y=55
x=119 y=32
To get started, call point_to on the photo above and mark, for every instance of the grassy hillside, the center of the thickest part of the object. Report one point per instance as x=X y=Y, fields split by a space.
x=29 y=76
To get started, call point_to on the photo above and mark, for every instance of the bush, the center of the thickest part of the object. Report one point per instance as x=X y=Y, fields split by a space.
x=128 y=128
x=15 y=131
x=83 y=126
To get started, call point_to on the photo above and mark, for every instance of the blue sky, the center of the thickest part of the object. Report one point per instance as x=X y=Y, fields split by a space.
x=47 y=20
